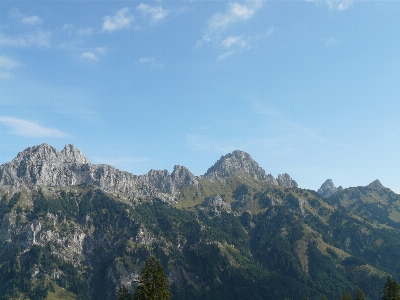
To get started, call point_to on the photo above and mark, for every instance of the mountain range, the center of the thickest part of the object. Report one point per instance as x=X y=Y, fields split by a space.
x=73 y=229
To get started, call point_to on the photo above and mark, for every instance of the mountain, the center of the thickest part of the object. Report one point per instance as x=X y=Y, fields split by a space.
x=44 y=165
x=327 y=189
x=71 y=229
x=241 y=163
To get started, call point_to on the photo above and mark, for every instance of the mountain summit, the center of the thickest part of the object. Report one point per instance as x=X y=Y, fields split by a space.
x=45 y=165
x=376 y=185
x=241 y=163
x=327 y=189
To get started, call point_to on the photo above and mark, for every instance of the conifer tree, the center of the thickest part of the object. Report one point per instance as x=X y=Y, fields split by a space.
x=346 y=296
x=391 y=290
x=153 y=285
x=360 y=295
x=123 y=293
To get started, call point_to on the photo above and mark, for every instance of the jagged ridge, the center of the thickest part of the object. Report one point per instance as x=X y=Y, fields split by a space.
x=45 y=165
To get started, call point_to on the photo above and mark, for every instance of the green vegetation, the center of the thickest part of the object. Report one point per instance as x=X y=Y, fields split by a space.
x=275 y=243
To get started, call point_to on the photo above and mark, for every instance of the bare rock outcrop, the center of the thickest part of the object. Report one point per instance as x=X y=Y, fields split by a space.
x=217 y=203
x=286 y=181
x=376 y=185
x=327 y=189
x=46 y=166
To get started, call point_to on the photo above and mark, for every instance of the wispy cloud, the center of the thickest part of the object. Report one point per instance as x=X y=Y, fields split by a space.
x=334 y=4
x=344 y=5
x=29 y=129
x=89 y=56
x=236 y=12
x=122 y=19
x=150 y=61
x=226 y=54
x=27 y=20
x=330 y=41
x=85 y=31
x=233 y=40
x=155 y=13
x=37 y=39
x=6 y=65
x=219 y=22
x=32 y=20
x=93 y=54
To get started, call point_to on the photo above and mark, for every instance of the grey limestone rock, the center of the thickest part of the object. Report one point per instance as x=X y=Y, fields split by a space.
x=376 y=185
x=235 y=163
x=327 y=189
x=45 y=166
x=286 y=181
x=181 y=176
x=217 y=203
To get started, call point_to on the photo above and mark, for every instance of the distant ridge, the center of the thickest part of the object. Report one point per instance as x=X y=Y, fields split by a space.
x=327 y=189
x=45 y=165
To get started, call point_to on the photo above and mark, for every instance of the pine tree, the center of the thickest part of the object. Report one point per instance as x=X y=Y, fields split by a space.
x=391 y=290
x=346 y=296
x=360 y=295
x=153 y=285
x=123 y=293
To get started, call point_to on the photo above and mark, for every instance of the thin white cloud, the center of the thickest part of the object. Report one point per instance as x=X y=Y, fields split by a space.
x=150 y=61
x=32 y=20
x=236 y=12
x=89 y=56
x=122 y=19
x=219 y=22
x=101 y=50
x=8 y=63
x=330 y=41
x=92 y=55
x=29 y=129
x=334 y=4
x=5 y=75
x=144 y=60
x=67 y=26
x=156 y=14
x=233 y=40
x=85 y=31
x=27 y=20
x=344 y=5
x=226 y=54
x=38 y=39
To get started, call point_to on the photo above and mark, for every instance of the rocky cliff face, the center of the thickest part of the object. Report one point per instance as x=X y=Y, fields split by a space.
x=44 y=165
x=241 y=163
x=376 y=185
x=327 y=189
x=286 y=181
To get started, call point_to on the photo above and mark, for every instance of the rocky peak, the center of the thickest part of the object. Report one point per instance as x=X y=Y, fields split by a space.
x=182 y=176
x=286 y=181
x=327 y=189
x=235 y=163
x=217 y=203
x=39 y=152
x=376 y=185
x=71 y=154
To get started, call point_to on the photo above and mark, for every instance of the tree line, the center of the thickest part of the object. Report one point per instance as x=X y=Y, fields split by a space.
x=153 y=285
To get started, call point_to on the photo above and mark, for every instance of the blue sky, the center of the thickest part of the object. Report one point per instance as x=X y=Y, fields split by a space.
x=309 y=88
